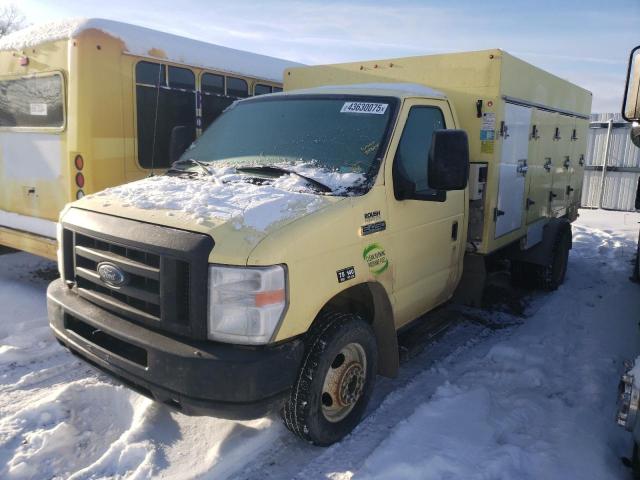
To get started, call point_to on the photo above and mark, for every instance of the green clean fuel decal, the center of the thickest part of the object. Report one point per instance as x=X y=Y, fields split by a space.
x=376 y=258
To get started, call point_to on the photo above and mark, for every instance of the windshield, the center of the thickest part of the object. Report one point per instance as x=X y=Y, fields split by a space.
x=338 y=134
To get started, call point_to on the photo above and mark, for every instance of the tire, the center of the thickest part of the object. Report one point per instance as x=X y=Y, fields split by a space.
x=550 y=277
x=635 y=462
x=333 y=386
x=546 y=277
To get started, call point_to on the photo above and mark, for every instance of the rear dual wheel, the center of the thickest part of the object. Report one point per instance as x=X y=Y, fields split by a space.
x=335 y=380
x=549 y=276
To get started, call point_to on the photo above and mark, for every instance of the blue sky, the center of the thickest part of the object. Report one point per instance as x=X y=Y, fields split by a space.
x=584 y=41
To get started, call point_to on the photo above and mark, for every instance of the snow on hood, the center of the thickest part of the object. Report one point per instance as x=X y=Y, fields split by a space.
x=140 y=41
x=227 y=196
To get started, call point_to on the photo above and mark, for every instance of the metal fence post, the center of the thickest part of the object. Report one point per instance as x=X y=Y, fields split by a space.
x=605 y=160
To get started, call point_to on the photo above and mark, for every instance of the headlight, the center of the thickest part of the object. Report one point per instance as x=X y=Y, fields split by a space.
x=60 y=250
x=245 y=303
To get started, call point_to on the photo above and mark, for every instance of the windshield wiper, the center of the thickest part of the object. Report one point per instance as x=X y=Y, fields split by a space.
x=271 y=171
x=174 y=166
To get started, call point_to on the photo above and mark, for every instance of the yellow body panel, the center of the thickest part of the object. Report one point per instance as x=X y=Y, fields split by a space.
x=100 y=124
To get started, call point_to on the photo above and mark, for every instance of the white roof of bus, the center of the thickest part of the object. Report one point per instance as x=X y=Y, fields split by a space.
x=139 y=40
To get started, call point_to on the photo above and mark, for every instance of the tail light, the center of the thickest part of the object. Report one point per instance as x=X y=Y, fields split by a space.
x=79 y=180
x=79 y=162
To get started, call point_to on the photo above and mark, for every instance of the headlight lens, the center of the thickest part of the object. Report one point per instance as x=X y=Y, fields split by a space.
x=245 y=303
x=59 y=251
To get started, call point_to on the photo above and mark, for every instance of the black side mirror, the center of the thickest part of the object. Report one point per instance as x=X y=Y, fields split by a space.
x=449 y=160
x=181 y=138
x=638 y=196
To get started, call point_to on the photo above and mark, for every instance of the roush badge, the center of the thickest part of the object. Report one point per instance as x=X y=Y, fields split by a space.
x=112 y=274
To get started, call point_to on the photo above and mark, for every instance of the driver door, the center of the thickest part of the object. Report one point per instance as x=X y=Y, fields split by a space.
x=426 y=228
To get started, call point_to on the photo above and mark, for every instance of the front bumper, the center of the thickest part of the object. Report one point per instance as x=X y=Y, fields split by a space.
x=195 y=377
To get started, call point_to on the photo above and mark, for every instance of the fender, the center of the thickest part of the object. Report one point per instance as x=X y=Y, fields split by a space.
x=542 y=253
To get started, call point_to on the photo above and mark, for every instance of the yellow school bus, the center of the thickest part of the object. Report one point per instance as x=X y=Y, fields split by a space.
x=87 y=104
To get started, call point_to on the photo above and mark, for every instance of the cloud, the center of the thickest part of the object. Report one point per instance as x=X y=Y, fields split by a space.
x=575 y=40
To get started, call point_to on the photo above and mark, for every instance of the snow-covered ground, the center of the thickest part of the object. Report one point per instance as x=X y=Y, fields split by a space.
x=496 y=395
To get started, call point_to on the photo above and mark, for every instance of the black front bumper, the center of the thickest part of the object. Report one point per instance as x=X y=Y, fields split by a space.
x=195 y=377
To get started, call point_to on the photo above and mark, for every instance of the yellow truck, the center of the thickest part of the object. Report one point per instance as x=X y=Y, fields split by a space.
x=88 y=104
x=271 y=268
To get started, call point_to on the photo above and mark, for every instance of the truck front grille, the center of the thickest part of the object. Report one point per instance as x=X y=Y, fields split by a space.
x=158 y=282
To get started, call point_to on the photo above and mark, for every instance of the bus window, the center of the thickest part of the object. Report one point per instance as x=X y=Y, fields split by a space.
x=237 y=87
x=277 y=89
x=162 y=107
x=214 y=100
x=213 y=84
x=34 y=102
x=261 y=89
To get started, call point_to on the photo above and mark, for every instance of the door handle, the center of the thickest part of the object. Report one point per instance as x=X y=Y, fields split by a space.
x=523 y=168
x=547 y=164
x=454 y=231
x=569 y=189
x=567 y=162
x=497 y=213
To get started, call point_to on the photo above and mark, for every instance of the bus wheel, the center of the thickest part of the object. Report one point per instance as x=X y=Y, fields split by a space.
x=335 y=380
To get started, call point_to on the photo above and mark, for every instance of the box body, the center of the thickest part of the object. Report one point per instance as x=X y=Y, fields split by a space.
x=528 y=126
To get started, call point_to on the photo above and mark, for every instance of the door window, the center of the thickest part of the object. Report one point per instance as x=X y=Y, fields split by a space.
x=411 y=160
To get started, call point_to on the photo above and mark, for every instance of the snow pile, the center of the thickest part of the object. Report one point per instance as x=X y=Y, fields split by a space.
x=228 y=196
x=495 y=397
x=143 y=41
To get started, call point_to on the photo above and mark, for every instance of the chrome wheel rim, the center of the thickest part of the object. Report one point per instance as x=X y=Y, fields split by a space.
x=344 y=382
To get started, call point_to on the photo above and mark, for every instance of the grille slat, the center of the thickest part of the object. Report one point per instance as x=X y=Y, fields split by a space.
x=127 y=290
x=129 y=266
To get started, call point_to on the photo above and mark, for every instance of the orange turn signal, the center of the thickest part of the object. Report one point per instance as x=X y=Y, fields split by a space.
x=269 y=298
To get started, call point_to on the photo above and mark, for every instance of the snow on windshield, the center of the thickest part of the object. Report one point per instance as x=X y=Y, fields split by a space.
x=228 y=195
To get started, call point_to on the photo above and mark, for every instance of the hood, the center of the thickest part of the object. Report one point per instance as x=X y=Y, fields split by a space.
x=236 y=213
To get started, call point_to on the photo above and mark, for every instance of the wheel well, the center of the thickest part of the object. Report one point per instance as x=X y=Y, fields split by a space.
x=370 y=301
x=357 y=299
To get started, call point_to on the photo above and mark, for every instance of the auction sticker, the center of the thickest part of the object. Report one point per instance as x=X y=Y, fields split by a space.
x=364 y=107
x=376 y=258
x=38 y=109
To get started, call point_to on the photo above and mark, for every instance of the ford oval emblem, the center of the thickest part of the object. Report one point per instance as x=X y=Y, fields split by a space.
x=111 y=274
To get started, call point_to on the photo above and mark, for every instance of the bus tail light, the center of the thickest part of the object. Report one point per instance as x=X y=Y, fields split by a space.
x=79 y=180
x=79 y=162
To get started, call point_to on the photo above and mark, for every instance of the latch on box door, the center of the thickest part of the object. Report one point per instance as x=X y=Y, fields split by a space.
x=522 y=167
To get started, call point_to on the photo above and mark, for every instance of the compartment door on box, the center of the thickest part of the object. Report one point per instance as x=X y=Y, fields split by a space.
x=513 y=168
x=540 y=165
x=561 y=164
x=576 y=169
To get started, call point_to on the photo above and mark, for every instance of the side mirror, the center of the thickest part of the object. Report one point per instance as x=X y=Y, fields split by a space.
x=638 y=196
x=181 y=138
x=631 y=102
x=449 y=160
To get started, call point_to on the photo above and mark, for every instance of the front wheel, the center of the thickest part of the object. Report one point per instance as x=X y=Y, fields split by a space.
x=335 y=380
